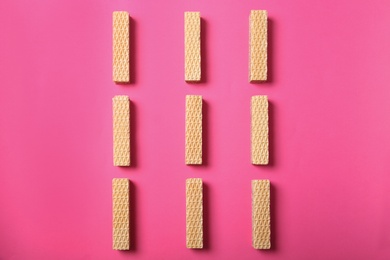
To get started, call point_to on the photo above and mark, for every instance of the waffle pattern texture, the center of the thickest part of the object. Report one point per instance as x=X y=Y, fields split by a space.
x=121 y=129
x=261 y=222
x=121 y=219
x=258 y=45
x=193 y=129
x=259 y=130
x=121 y=56
x=194 y=213
x=192 y=46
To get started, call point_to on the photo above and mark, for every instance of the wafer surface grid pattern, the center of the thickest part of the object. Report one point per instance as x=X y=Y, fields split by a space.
x=121 y=228
x=192 y=46
x=194 y=213
x=121 y=56
x=261 y=214
x=121 y=117
x=259 y=129
x=258 y=45
x=194 y=130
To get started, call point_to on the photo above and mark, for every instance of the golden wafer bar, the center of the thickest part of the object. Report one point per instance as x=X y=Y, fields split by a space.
x=261 y=220
x=259 y=130
x=194 y=213
x=258 y=45
x=192 y=46
x=121 y=129
x=121 y=47
x=121 y=214
x=193 y=129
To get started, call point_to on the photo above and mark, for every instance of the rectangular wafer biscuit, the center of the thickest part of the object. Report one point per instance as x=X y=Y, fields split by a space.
x=258 y=45
x=193 y=129
x=259 y=130
x=121 y=130
x=192 y=46
x=121 y=46
x=261 y=220
x=194 y=213
x=121 y=214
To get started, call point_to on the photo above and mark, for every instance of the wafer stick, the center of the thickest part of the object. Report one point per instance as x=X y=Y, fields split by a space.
x=121 y=56
x=258 y=45
x=121 y=214
x=261 y=222
x=194 y=213
x=192 y=46
x=121 y=129
x=259 y=130
x=193 y=129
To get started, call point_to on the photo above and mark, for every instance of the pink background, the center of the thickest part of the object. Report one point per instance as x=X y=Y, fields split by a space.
x=329 y=122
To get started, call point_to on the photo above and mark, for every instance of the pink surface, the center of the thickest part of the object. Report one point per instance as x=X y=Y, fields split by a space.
x=330 y=142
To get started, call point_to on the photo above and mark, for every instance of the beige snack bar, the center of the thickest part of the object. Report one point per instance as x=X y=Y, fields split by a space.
x=258 y=45
x=121 y=46
x=192 y=46
x=194 y=213
x=121 y=129
x=261 y=221
x=121 y=214
x=193 y=129
x=259 y=130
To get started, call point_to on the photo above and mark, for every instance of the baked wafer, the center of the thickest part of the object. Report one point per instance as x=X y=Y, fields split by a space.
x=121 y=214
x=121 y=129
x=121 y=46
x=192 y=46
x=258 y=45
x=193 y=129
x=194 y=213
x=261 y=221
x=259 y=130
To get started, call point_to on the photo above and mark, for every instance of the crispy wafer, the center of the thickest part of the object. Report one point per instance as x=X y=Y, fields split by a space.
x=194 y=213
x=121 y=45
x=121 y=214
x=261 y=222
x=193 y=129
x=121 y=129
x=259 y=130
x=258 y=45
x=192 y=46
